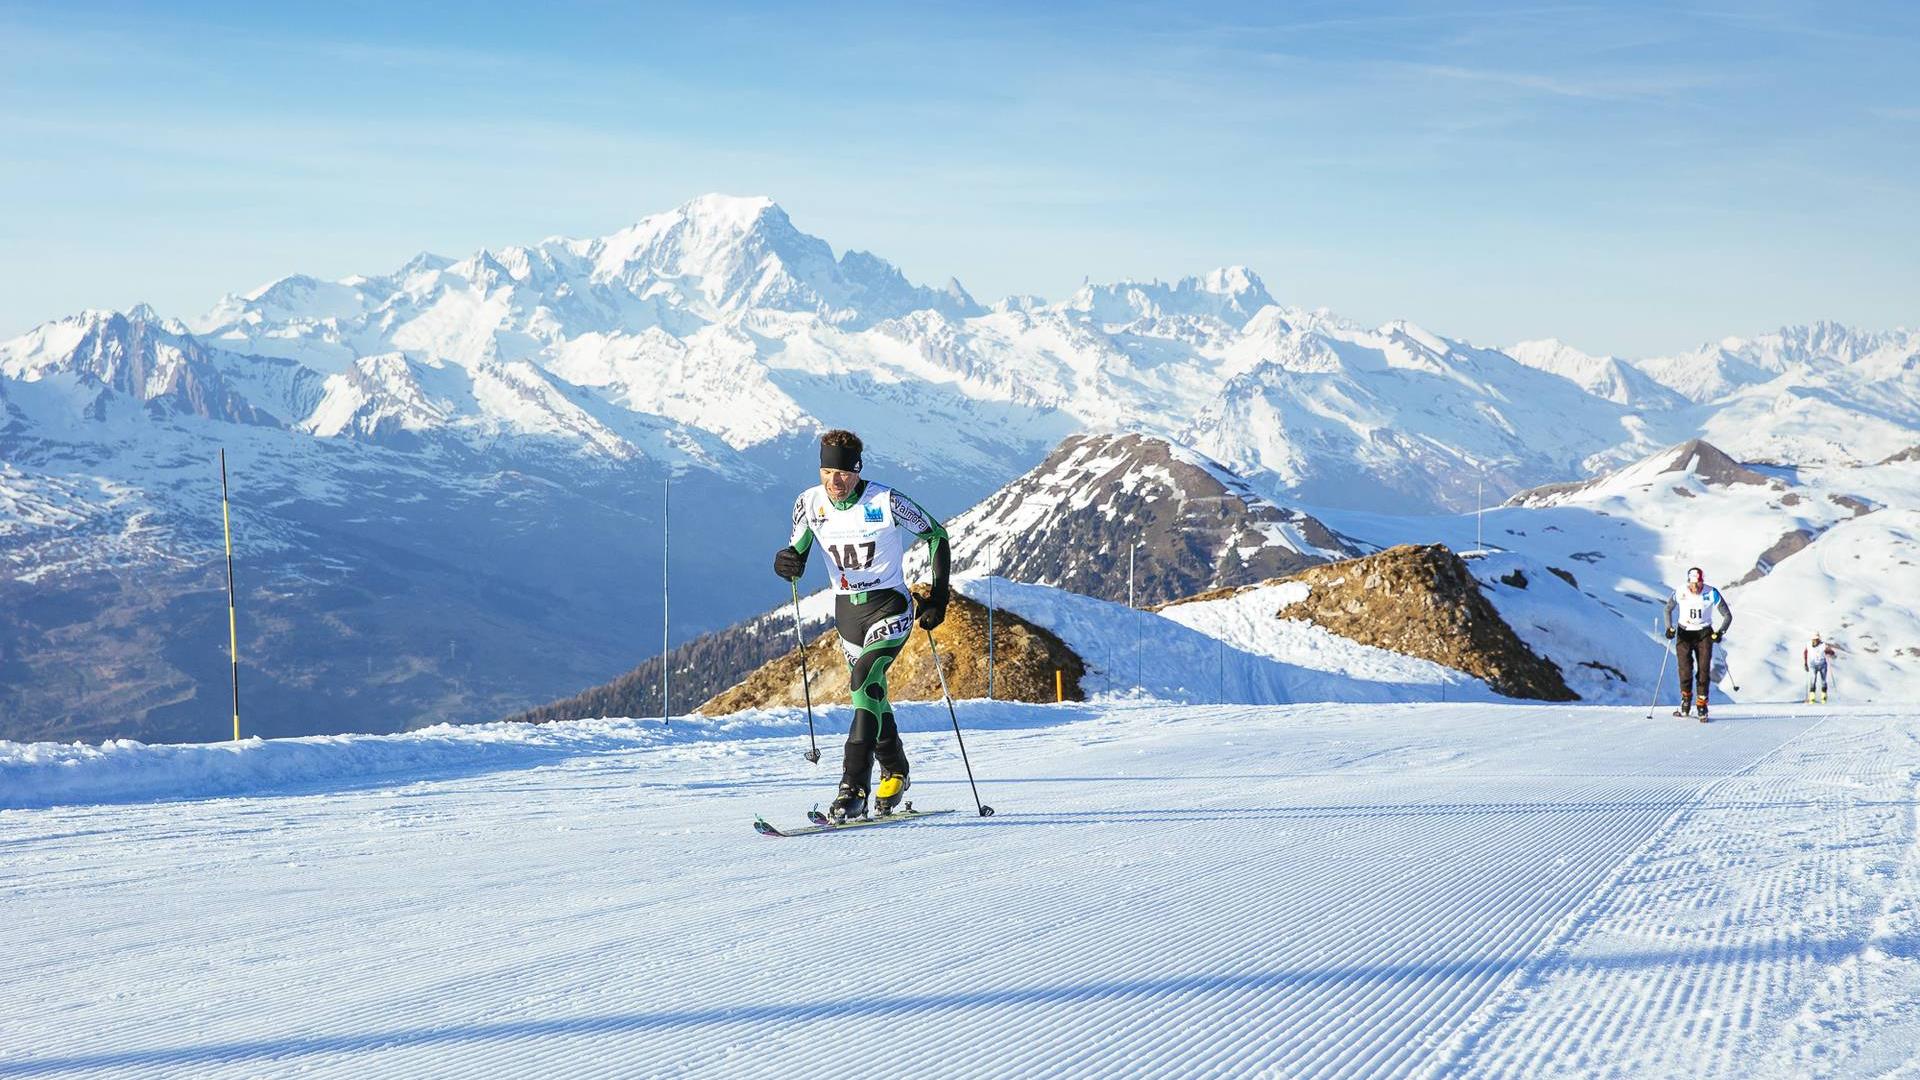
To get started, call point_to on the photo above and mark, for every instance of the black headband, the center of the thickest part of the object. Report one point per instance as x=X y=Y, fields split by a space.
x=844 y=458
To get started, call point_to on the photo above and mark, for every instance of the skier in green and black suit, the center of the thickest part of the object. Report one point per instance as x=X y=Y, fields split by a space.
x=865 y=529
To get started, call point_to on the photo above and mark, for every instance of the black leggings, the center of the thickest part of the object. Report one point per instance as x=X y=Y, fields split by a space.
x=872 y=634
x=1696 y=663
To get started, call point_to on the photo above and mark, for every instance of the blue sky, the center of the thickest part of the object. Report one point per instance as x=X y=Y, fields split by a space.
x=1630 y=178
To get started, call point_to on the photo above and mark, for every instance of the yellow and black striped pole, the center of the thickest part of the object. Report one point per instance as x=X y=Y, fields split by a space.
x=233 y=622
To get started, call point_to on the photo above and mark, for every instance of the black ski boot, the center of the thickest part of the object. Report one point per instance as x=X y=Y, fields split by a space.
x=849 y=802
x=1686 y=707
x=1703 y=712
x=886 y=797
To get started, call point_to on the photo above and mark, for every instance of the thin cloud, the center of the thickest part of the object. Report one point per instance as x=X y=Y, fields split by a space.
x=1646 y=87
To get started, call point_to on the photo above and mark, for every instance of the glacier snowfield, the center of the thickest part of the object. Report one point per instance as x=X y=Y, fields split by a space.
x=1167 y=890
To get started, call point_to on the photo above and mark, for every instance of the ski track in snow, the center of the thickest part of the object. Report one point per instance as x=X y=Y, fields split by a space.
x=1700 y=959
x=1299 y=891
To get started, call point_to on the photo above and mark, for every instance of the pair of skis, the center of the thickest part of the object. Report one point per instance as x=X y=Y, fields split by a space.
x=822 y=823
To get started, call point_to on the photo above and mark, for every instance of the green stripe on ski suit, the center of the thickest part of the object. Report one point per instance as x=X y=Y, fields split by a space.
x=864 y=696
x=935 y=535
x=805 y=542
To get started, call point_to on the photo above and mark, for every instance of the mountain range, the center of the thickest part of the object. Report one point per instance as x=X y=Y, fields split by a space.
x=448 y=479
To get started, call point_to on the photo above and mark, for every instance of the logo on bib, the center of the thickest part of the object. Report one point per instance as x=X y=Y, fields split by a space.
x=874 y=513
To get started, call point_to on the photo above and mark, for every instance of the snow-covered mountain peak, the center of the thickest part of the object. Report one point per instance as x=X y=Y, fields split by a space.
x=421 y=263
x=698 y=230
x=280 y=286
x=1416 y=337
x=139 y=357
x=1020 y=302
x=717 y=213
x=959 y=293
x=720 y=256
x=1232 y=294
x=382 y=399
x=1823 y=341
x=1733 y=365
x=1549 y=353
x=1603 y=376
x=37 y=350
x=1235 y=281
x=1195 y=524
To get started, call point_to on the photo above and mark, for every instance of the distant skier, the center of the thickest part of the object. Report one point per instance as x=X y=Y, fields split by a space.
x=1814 y=660
x=1699 y=605
x=865 y=529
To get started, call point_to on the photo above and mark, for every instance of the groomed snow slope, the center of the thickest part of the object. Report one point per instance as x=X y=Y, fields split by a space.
x=1323 y=890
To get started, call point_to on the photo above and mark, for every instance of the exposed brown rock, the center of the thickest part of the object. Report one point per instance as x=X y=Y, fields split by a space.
x=1855 y=506
x=1544 y=494
x=1711 y=464
x=1423 y=601
x=1025 y=659
x=1788 y=544
x=1696 y=456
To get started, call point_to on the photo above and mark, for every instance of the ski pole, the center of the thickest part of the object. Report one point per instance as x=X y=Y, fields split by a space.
x=985 y=810
x=799 y=638
x=1657 y=682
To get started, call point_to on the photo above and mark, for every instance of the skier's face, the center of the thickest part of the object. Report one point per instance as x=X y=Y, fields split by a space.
x=838 y=482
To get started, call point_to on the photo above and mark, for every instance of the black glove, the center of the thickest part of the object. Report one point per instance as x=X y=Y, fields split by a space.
x=1718 y=636
x=934 y=611
x=1669 y=633
x=789 y=563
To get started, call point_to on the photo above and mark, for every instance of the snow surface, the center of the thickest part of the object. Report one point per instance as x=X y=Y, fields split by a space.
x=1302 y=891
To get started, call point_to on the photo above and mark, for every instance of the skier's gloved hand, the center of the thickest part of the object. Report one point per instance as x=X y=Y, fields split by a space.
x=789 y=564
x=934 y=611
x=1669 y=633
x=1718 y=636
